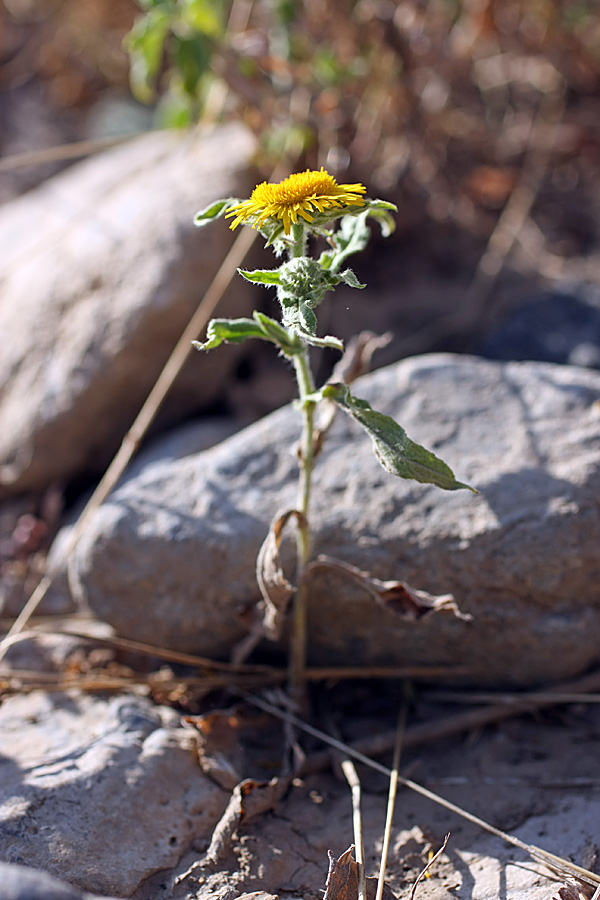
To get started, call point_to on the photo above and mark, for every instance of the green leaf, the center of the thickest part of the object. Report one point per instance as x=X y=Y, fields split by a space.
x=262 y=276
x=234 y=331
x=299 y=316
x=351 y=237
x=272 y=230
x=229 y=331
x=288 y=343
x=203 y=16
x=327 y=341
x=191 y=56
x=380 y=210
x=214 y=211
x=145 y=45
x=349 y=278
x=393 y=448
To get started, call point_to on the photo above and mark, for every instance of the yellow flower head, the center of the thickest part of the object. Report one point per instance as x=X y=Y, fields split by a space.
x=302 y=194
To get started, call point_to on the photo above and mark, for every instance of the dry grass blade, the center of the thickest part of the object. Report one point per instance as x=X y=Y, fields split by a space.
x=550 y=860
x=423 y=873
x=392 y=791
x=74 y=150
x=351 y=775
x=466 y=721
x=175 y=656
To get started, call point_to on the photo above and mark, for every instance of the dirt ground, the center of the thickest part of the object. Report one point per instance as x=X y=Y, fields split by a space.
x=535 y=776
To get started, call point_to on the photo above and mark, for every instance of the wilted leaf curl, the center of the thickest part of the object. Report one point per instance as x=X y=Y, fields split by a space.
x=275 y=588
x=409 y=603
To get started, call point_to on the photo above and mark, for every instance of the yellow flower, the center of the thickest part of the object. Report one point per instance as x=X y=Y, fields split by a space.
x=302 y=194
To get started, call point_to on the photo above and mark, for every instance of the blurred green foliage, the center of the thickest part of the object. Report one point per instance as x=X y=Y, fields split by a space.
x=435 y=94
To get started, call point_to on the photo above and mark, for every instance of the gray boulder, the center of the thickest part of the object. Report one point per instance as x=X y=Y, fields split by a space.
x=99 y=792
x=22 y=883
x=101 y=270
x=170 y=557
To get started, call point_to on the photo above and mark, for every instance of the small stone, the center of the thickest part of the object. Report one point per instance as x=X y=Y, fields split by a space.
x=100 y=792
x=23 y=883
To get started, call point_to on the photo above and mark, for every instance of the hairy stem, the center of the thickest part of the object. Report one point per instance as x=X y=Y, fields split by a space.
x=298 y=640
x=299 y=237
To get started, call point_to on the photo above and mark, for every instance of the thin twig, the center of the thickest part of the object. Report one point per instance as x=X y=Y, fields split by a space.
x=422 y=874
x=392 y=791
x=465 y=721
x=61 y=152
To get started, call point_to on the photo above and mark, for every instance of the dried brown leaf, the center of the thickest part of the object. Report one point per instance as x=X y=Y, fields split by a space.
x=275 y=588
x=219 y=749
x=409 y=603
x=342 y=880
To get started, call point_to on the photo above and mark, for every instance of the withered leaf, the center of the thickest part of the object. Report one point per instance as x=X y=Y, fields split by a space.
x=275 y=588
x=342 y=880
x=571 y=891
x=219 y=750
x=248 y=799
x=409 y=603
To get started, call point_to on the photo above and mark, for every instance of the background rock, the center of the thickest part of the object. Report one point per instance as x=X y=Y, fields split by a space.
x=22 y=883
x=101 y=270
x=101 y=793
x=177 y=443
x=170 y=557
x=560 y=327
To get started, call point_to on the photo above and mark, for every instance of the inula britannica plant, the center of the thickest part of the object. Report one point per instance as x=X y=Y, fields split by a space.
x=294 y=216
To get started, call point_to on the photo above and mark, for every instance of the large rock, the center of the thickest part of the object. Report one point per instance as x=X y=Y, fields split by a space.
x=100 y=272
x=102 y=793
x=22 y=883
x=170 y=557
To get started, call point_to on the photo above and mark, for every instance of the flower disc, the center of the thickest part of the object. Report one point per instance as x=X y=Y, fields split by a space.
x=302 y=194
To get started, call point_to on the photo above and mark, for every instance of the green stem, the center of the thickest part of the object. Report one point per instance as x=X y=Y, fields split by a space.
x=297 y=665
x=298 y=247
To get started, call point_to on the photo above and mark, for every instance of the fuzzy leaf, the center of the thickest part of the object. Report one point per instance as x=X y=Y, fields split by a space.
x=288 y=343
x=393 y=448
x=380 y=210
x=327 y=341
x=229 y=331
x=214 y=211
x=349 y=278
x=262 y=276
x=234 y=331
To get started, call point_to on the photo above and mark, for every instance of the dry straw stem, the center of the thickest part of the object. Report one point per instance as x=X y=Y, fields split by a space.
x=499 y=709
x=61 y=152
x=431 y=862
x=351 y=775
x=392 y=791
x=557 y=864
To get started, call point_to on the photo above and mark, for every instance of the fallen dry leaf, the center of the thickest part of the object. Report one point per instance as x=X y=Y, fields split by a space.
x=408 y=602
x=219 y=750
x=342 y=880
